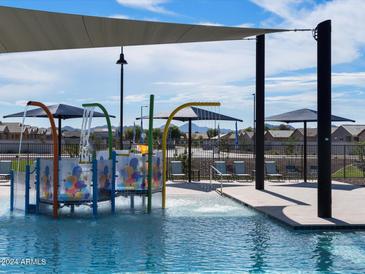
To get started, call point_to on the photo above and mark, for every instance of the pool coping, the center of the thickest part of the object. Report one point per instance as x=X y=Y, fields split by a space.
x=321 y=227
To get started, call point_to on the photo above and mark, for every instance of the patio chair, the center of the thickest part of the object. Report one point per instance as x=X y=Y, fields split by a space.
x=292 y=172
x=272 y=171
x=313 y=172
x=220 y=170
x=239 y=171
x=176 y=170
x=5 y=167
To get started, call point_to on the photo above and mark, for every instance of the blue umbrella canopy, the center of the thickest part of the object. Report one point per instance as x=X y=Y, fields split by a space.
x=302 y=115
x=60 y=111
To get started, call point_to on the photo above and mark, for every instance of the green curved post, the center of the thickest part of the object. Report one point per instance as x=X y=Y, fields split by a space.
x=110 y=134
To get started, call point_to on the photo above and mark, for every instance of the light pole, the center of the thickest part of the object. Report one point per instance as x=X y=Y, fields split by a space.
x=142 y=137
x=121 y=62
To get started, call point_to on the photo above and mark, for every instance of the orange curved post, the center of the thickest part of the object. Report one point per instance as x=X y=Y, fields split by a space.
x=55 y=153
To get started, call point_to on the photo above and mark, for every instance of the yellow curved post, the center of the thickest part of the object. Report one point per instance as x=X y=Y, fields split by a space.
x=164 y=139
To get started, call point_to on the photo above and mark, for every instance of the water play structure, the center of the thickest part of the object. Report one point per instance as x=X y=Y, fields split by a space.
x=92 y=178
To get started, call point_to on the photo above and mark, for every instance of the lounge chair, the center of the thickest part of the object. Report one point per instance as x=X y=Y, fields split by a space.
x=291 y=172
x=177 y=170
x=313 y=172
x=5 y=167
x=239 y=170
x=272 y=171
x=220 y=170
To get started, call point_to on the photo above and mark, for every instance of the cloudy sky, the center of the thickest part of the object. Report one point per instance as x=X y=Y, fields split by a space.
x=176 y=74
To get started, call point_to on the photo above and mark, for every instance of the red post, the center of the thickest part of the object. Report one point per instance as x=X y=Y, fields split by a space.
x=55 y=153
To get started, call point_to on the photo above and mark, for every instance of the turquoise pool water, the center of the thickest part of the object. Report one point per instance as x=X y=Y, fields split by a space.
x=196 y=233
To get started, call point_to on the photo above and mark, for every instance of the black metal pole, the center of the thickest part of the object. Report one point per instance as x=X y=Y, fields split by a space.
x=305 y=152
x=121 y=98
x=324 y=118
x=59 y=137
x=189 y=152
x=260 y=113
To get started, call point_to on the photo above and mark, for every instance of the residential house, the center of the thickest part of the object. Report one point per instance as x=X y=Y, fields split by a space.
x=278 y=135
x=4 y=132
x=348 y=133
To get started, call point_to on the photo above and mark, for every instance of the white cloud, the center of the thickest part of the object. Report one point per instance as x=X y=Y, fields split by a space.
x=150 y=5
x=119 y=16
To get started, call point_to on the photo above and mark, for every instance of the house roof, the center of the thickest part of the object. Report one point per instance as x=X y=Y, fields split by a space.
x=354 y=130
x=33 y=30
x=3 y=128
x=14 y=127
x=280 y=133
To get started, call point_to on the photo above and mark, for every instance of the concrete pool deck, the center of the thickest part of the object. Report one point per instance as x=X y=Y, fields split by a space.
x=294 y=204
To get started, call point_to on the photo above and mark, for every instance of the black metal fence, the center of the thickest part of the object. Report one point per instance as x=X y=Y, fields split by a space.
x=348 y=161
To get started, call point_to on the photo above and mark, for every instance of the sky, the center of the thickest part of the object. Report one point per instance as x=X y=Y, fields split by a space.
x=213 y=71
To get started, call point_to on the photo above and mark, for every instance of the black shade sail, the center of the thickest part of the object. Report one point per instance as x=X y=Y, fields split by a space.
x=60 y=111
x=194 y=114
x=302 y=115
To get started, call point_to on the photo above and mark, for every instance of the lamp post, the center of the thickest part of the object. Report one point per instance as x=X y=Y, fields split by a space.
x=142 y=138
x=121 y=61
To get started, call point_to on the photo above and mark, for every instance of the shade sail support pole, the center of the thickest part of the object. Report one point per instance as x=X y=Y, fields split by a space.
x=260 y=113
x=324 y=118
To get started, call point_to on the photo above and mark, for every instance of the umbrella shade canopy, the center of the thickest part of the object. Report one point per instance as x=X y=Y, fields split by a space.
x=302 y=115
x=194 y=114
x=32 y=30
x=60 y=111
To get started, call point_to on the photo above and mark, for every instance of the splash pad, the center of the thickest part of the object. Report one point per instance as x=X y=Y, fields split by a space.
x=95 y=177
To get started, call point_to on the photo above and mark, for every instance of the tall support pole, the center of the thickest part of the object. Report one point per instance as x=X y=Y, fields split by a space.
x=324 y=118
x=305 y=152
x=189 y=151
x=150 y=152
x=260 y=113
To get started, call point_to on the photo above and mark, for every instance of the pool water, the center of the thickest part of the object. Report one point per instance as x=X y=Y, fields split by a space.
x=196 y=233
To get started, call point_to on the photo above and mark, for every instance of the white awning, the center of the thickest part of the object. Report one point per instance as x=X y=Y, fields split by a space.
x=31 y=30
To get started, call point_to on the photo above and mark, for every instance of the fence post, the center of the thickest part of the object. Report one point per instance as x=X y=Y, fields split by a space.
x=344 y=161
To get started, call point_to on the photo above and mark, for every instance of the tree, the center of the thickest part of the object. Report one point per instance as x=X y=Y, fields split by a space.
x=174 y=133
x=211 y=132
x=248 y=129
x=128 y=133
x=283 y=127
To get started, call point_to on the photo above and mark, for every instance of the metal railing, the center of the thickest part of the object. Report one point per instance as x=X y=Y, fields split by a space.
x=212 y=168
x=348 y=160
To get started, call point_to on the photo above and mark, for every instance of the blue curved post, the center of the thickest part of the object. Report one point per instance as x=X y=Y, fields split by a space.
x=38 y=181
x=11 y=190
x=95 y=187
x=112 y=191
x=27 y=185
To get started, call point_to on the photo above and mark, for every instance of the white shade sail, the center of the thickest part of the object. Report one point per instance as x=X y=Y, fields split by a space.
x=31 y=30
